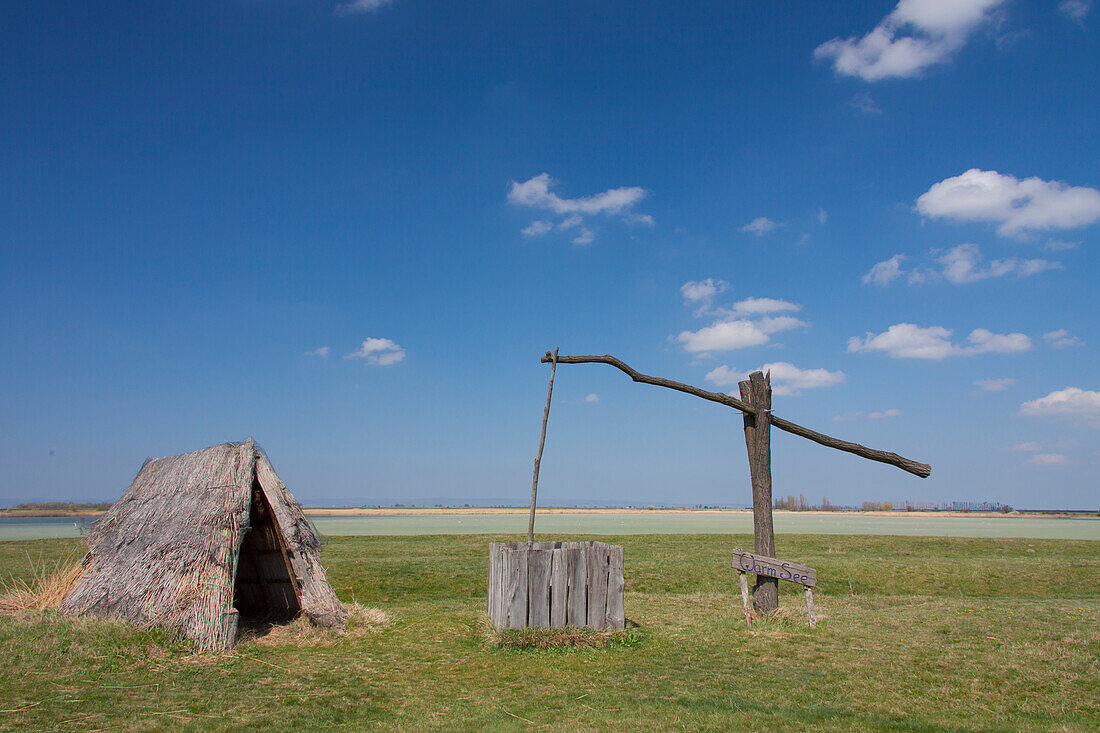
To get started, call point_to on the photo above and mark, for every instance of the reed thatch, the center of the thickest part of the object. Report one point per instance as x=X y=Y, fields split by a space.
x=202 y=542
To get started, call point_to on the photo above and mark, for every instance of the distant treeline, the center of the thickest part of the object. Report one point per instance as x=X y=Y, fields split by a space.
x=799 y=503
x=66 y=506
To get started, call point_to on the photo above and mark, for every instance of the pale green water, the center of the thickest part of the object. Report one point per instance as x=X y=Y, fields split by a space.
x=1087 y=528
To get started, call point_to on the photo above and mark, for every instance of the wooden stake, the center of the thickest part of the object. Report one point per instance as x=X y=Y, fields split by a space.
x=745 y=600
x=757 y=391
x=810 y=607
x=542 y=442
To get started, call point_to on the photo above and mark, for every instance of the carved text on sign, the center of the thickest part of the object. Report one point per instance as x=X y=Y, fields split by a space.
x=771 y=567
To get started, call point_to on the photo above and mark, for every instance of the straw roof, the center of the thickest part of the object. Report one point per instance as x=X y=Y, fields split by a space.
x=167 y=553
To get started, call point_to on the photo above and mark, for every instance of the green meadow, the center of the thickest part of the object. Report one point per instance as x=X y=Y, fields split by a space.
x=915 y=634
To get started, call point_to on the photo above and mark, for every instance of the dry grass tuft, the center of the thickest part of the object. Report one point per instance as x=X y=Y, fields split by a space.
x=45 y=591
x=362 y=621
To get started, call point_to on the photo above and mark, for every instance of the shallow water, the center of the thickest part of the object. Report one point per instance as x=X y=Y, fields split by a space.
x=1083 y=528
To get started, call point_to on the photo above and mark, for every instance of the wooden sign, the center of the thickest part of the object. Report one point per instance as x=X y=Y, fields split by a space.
x=747 y=562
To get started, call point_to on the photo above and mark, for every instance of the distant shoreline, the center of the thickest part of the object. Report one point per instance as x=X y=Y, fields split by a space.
x=475 y=510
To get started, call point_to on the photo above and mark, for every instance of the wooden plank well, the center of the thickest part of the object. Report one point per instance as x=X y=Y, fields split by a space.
x=556 y=584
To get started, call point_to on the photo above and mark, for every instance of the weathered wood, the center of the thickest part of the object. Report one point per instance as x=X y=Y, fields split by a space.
x=748 y=562
x=597 y=585
x=745 y=601
x=559 y=588
x=616 y=617
x=914 y=467
x=538 y=588
x=542 y=442
x=515 y=595
x=757 y=391
x=554 y=584
x=810 y=607
x=577 y=562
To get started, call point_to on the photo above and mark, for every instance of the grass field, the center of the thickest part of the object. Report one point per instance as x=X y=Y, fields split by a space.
x=915 y=634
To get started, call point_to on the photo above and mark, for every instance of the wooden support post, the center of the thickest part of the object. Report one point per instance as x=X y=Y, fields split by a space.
x=745 y=600
x=757 y=391
x=810 y=607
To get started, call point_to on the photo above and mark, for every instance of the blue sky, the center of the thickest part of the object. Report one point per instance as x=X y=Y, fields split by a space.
x=350 y=230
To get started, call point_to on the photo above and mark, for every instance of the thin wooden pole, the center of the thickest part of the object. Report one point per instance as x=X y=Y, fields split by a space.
x=757 y=391
x=810 y=607
x=538 y=457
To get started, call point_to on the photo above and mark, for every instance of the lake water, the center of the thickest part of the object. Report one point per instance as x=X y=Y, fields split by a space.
x=1083 y=528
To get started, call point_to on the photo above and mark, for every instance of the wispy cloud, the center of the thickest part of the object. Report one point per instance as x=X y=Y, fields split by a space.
x=379 y=352
x=355 y=7
x=917 y=34
x=909 y=341
x=1017 y=207
x=1076 y=10
x=616 y=202
x=760 y=226
x=864 y=103
x=994 y=385
x=1062 y=339
x=592 y=397
x=536 y=228
x=960 y=265
x=322 y=352
x=885 y=272
x=1049 y=459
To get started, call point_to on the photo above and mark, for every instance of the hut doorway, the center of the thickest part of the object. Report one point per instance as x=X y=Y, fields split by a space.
x=265 y=591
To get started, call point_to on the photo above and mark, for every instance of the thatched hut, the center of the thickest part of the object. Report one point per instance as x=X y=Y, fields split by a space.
x=205 y=542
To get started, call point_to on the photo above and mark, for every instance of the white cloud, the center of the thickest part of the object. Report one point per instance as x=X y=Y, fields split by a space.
x=723 y=336
x=994 y=385
x=1018 y=207
x=537 y=229
x=619 y=202
x=822 y=216
x=592 y=398
x=963 y=264
x=764 y=305
x=892 y=412
x=322 y=352
x=1062 y=339
x=1071 y=402
x=909 y=341
x=360 y=6
x=379 y=352
x=915 y=35
x=885 y=272
x=786 y=378
x=983 y=341
x=536 y=192
x=760 y=226
x=746 y=323
x=1027 y=447
x=1049 y=459
x=702 y=292
x=1076 y=10
x=585 y=237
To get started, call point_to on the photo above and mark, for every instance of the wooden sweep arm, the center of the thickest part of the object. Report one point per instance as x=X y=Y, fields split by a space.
x=914 y=467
